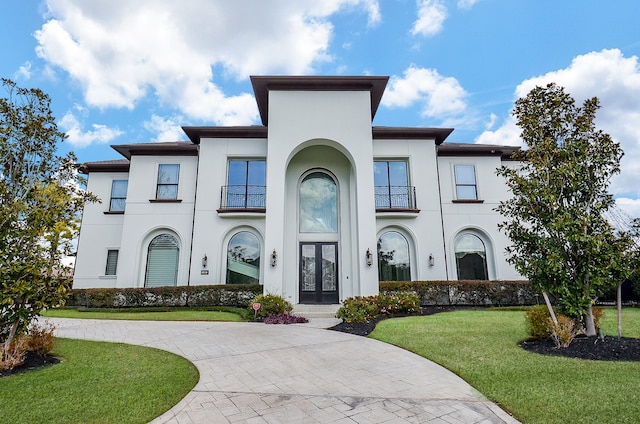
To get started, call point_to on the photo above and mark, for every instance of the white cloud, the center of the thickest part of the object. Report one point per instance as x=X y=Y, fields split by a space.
x=167 y=129
x=122 y=51
x=615 y=80
x=629 y=207
x=466 y=4
x=76 y=135
x=431 y=16
x=493 y=118
x=24 y=72
x=439 y=96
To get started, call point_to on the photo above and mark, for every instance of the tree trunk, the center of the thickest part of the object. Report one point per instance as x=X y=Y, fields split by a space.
x=619 y=304
x=589 y=324
x=10 y=337
x=550 y=308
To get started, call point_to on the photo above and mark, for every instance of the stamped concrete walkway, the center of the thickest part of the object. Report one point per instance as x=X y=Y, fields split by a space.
x=257 y=373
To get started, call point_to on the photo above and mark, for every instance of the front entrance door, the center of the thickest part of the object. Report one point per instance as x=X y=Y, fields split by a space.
x=319 y=272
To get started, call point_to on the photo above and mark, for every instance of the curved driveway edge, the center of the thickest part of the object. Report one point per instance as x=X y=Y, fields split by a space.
x=258 y=373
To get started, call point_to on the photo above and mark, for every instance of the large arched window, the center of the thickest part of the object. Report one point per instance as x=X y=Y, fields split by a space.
x=243 y=259
x=393 y=257
x=162 y=261
x=318 y=204
x=471 y=258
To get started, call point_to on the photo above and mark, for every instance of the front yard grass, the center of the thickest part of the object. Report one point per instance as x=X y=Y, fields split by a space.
x=97 y=382
x=152 y=314
x=481 y=346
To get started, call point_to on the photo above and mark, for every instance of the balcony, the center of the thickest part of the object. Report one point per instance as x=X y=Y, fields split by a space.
x=243 y=198
x=395 y=199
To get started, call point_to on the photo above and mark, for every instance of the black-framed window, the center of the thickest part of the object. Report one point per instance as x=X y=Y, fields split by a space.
x=391 y=181
x=118 y=195
x=246 y=184
x=112 y=262
x=466 y=185
x=168 y=175
x=471 y=258
x=243 y=259
x=393 y=257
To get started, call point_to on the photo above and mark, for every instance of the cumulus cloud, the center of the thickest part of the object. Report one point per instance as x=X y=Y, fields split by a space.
x=167 y=129
x=431 y=17
x=24 y=72
x=440 y=97
x=615 y=80
x=466 y=4
x=76 y=135
x=122 y=51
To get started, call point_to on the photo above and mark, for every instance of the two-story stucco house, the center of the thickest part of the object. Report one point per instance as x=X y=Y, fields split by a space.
x=316 y=204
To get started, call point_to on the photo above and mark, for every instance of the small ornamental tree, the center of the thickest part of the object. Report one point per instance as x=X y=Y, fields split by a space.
x=40 y=202
x=561 y=240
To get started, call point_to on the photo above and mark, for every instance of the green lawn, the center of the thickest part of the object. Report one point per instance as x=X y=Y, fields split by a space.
x=481 y=346
x=97 y=382
x=232 y=314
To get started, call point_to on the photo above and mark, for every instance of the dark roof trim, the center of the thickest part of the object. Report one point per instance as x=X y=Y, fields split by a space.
x=411 y=133
x=468 y=149
x=175 y=148
x=195 y=134
x=120 y=165
x=263 y=84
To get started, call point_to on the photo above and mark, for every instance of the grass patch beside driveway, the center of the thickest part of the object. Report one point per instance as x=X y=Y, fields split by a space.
x=97 y=382
x=481 y=346
x=151 y=314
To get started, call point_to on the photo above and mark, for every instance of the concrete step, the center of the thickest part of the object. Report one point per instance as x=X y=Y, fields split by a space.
x=315 y=311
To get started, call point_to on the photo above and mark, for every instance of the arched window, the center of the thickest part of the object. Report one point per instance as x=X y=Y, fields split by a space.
x=393 y=257
x=471 y=258
x=243 y=259
x=162 y=261
x=318 y=204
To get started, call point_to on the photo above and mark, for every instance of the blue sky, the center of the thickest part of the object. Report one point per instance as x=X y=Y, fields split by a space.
x=122 y=71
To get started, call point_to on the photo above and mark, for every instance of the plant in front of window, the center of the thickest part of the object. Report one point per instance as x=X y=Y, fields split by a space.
x=561 y=239
x=40 y=202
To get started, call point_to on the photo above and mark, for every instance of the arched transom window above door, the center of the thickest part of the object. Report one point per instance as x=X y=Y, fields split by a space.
x=318 y=204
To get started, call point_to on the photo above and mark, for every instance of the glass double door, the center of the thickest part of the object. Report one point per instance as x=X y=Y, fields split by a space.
x=319 y=272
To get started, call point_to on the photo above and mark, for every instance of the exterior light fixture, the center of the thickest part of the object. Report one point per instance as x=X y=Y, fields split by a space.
x=432 y=260
x=274 y=258
x=204 y=261
x=369 y=257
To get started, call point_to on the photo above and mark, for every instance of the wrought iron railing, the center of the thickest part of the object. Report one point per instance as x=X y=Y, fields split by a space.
x=395 y=197
x=243 y=197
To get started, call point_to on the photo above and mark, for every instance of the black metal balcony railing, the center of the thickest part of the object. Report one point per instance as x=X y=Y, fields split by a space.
x=395 y=197
x=243 y=197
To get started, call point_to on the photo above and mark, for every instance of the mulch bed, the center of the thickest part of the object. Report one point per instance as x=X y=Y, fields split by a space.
x=32 y=361
x=607 y=348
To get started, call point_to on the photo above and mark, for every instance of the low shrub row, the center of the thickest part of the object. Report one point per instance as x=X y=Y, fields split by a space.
x=218 y=295
x=465 y=292
x=365 y=308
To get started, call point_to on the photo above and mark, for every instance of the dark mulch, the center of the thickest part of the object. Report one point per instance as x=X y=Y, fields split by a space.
x=32 y=361
x=607 y=348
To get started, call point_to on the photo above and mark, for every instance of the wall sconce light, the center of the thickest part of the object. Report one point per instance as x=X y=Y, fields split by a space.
x=369 y=257
x=432 y=260
x=274 y=258
x=204 y=261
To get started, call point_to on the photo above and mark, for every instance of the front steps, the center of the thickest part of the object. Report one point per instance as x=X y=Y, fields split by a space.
x=315 y=311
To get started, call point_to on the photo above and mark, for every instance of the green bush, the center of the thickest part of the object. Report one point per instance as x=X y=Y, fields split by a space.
x=270 y=304
x=537 y=321
x=365 y=308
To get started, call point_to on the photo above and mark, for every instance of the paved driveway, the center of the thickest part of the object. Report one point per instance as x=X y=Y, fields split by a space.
x=258 y=373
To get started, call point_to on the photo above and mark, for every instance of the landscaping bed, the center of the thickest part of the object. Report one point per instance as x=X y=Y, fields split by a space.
x=606 y=348
x=32 y=361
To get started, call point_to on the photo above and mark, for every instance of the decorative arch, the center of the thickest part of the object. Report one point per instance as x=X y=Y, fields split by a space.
x=163 y=258
x=473 y=255
x=394 y=249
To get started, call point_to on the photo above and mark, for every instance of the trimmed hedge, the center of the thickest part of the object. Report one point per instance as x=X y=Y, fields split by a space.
x=218 y=295
x=465 y=292
x=431 y=293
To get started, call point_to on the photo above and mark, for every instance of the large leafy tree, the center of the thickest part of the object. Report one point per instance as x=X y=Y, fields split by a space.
x=40 y=201
x=561 y=239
